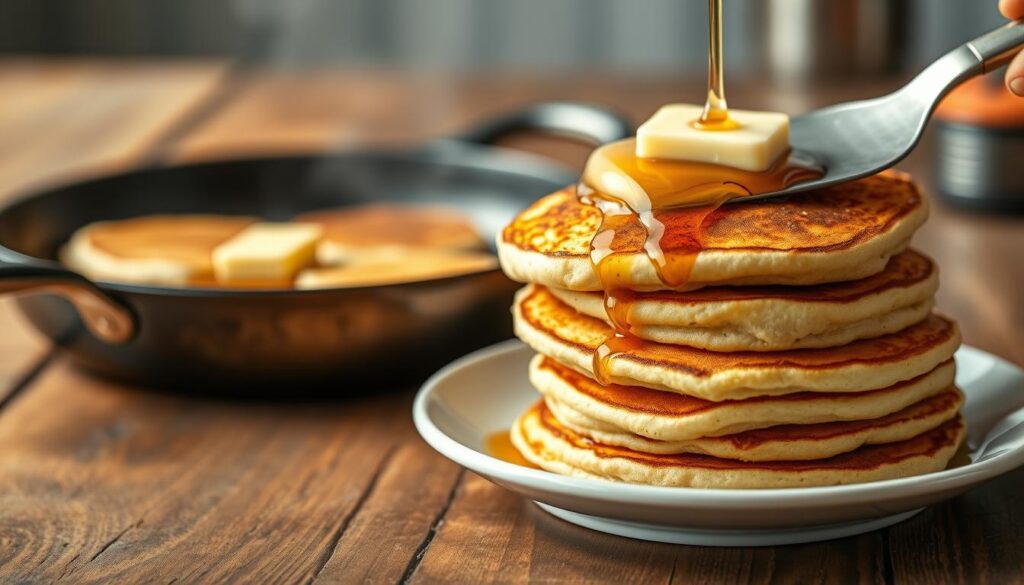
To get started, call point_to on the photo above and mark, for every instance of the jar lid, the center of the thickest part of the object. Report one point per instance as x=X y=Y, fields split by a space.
x=983 y=101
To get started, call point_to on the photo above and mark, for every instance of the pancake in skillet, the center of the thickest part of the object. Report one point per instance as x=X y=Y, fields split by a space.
x=414 y=265
x=667 y=416
x=554 y=329
x=545 y=442
x=840 y=233
x=772 y=318
x=157 y=249
x=380 y=232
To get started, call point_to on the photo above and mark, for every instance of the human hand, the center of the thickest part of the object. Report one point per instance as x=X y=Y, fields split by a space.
x=1014 y=9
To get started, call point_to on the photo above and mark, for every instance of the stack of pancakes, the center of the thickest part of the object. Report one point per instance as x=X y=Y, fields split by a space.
x=804 y=350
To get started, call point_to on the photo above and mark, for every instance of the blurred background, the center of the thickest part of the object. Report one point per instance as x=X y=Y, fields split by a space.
x=653 y=36
x=396 y=72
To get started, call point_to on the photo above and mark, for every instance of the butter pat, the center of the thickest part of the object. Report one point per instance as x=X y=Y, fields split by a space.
x=761 y=138
x=267 y=251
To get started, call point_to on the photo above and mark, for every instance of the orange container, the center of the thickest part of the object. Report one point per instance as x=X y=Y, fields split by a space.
x=980 y=146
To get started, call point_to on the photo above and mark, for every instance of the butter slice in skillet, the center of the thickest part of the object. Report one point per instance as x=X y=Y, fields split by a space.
x=267 y=251
x=670 y=134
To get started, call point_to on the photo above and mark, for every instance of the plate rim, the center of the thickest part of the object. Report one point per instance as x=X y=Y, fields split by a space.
x=610 y=491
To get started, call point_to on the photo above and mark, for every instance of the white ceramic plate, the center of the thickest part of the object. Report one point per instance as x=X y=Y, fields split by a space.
x=484 y=392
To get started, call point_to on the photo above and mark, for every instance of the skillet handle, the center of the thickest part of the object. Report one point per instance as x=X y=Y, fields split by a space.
x=588 y=123
x=106 y=318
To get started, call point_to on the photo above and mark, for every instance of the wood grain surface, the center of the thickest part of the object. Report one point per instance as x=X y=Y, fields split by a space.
x=105 y=483
x=63 y=119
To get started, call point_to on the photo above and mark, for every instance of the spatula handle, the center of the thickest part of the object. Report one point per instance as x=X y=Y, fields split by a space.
x=985 y=53
x=995 y=49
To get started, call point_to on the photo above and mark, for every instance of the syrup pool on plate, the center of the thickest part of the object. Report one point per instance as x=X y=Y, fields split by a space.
x=499 y=445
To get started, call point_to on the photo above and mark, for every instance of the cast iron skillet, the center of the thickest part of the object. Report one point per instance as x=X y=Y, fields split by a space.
x=238 y=342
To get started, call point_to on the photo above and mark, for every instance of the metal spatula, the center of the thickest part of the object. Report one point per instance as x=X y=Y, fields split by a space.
x=858 y=139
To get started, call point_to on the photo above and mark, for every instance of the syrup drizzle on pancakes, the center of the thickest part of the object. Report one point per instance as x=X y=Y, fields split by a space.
x=698 y=188
x=679 y=197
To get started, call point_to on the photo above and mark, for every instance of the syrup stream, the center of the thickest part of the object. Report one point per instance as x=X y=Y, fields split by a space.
x=716 y=110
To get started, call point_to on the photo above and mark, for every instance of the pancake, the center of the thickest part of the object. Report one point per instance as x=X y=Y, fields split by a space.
x=384 y=231
x=773 y=318
x=543 y=441
x=154 y=249
x=800 y=442
x=840 y=233
x=554 y=329
x=413 y=266
x=668 y=416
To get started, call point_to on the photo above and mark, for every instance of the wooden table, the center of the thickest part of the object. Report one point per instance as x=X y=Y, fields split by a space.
x=100 y=482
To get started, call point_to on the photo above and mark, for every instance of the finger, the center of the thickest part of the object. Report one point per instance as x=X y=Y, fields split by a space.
x=1013 y=9
x=1015 y=75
